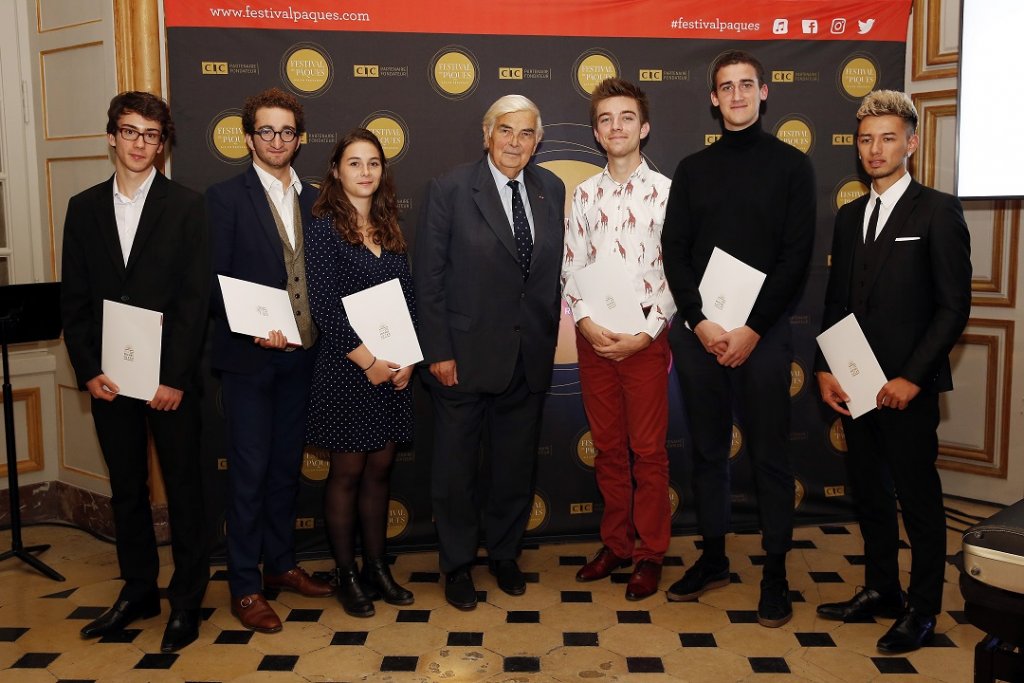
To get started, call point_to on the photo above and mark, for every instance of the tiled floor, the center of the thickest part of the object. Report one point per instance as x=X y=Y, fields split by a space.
x=560 y=630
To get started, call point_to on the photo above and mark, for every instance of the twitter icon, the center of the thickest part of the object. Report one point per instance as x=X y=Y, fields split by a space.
x=864 y=26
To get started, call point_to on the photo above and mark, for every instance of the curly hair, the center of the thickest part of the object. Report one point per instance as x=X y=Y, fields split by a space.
x=272 y=98
x=334 y=203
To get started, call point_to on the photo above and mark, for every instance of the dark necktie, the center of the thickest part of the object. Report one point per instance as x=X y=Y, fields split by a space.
x=873 y=222
x=521 y=229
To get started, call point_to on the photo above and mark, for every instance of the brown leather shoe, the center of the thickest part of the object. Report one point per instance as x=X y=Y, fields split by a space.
x=298 y=581
x=255 y=613
x=644 y=581
x=603 y=564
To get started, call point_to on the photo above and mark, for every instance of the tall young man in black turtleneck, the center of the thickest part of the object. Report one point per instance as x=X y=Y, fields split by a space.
x=752 y=196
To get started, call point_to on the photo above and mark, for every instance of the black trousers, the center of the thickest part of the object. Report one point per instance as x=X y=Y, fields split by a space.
x=121 y=428
x=891 y=455
x=512 y=418
x=759 y=389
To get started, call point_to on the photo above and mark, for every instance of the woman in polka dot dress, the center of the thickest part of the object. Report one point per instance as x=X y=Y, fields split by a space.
x=360 y=405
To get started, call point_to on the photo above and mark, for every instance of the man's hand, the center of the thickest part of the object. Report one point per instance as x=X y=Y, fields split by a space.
x=709 y=333
x=738 y=344
x=401 y=377
x=897 y=393
x=102 y=388
x=621 y=346
x=445 y=372
x=831 y=393
x=275 y=339
x=165 y=398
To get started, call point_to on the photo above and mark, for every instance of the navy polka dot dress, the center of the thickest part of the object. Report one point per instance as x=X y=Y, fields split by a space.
x=346 y=411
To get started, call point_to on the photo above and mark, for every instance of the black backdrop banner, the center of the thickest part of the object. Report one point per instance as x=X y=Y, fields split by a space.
x=421 y=79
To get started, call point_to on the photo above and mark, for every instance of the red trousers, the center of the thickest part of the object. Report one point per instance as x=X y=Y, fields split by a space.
x=627 y=407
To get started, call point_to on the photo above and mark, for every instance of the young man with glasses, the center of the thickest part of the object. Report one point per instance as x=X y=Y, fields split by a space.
x=257 y=220
x=140 y=239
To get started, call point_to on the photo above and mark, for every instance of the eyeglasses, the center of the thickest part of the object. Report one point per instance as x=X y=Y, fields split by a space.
x=149 y=136
x=267 y=134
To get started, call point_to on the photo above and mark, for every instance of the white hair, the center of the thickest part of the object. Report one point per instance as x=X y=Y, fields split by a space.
x=509 y=104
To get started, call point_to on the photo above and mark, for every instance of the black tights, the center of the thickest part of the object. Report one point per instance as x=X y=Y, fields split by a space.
x=358 y=482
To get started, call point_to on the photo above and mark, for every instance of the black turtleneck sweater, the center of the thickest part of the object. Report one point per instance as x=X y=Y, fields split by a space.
x=752 y=196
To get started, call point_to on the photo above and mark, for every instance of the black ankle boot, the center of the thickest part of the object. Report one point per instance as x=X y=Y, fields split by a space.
x=350 y=593
x=378 y=582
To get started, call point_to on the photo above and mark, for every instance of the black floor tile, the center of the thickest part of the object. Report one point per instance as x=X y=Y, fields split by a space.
x=522 y=665
x=9 y=634
x=127 y=635
x=233 y=638
x=35 y=660
x=796 y=596
x=424 y=577
x=826 y=577
x=62 y=594
x=815 y=640
x=465 y=639
x=413 y=616
x=206 y=612
x=349 y=638
x=734 y=578
x=893 y=665
x=742 y=616
x=571 y=561
x=959 y=616
x=620 y=577
x=697 y=640
x=834 y=530
x=76 y=680
x=277 y=663
x=941 y=640
x=89 y=613
x=158 y=660
x=399 y=663
x=672 y=561
x=577 y=596
x=633 y=616
x=758 y=560
x=532 y=577
x=304 y=615
x=219 y=575
x=855 y=560
x=580 y=639
x=768 y=665
x=522 y=617
x=804 y=544
x=481 y=596
x=645 y=665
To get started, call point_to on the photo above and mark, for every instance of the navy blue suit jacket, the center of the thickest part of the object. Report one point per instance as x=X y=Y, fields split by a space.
x=246 y=246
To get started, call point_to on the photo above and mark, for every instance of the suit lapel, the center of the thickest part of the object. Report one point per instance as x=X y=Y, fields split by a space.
x=540 y=206
x=893 y=228
x=107 y=222
x=152 y=210
x=261 y=206
x=489 y=202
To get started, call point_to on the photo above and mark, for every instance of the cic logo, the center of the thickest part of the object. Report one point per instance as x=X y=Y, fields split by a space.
x=215 y=68
x=783 y=76
x=650 y=75
x=366 y=71
x=510 y=73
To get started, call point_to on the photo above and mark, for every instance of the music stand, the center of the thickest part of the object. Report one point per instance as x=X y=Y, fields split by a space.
x=28 y=313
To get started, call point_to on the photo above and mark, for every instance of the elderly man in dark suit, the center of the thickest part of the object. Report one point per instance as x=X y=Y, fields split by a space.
x=140 y=239
x=901 y=263
x=256 y=220
x=486 y=269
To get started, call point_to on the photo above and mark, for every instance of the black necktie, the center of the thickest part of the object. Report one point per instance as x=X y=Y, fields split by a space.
x=521 y=229
x=873 y=222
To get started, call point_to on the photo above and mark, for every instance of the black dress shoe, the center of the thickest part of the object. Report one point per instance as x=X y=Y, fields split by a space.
x=703 y=576
x=510 y=578
x=182 y=629
x=866 y=604
x=459 y=590
x=908 y=633
x=378 y=583
x=121 y=614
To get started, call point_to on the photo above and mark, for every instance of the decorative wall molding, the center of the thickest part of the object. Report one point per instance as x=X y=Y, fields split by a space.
x=931 y=57
x=35 y=459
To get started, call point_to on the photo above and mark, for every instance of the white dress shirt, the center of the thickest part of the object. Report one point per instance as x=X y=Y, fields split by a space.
x=505 y=192
x=889 y=199
x=283 y=198
x=128 y=210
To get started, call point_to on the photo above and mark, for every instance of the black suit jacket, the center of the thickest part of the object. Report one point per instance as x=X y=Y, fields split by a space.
x=246 y=246
x=472 y=302
x=167 y=271
x=919 y=295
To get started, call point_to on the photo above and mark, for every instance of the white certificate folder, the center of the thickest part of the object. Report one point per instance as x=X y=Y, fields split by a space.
x=853 y=363
x=255 y=310
x=130 y=350
x=380 y=316
x=729 y=289
x=607 y=288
